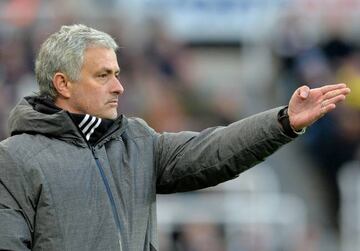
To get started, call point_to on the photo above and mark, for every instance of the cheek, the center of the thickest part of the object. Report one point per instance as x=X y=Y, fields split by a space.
x=87 y=102
x=95 y=100
x=89 y=98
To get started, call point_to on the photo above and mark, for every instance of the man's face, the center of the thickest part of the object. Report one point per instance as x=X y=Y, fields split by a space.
x=98 y=88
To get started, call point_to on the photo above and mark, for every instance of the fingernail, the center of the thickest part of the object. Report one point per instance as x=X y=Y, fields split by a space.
x=304 y=94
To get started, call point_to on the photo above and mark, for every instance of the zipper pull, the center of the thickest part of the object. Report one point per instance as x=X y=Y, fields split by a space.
x=94 y=152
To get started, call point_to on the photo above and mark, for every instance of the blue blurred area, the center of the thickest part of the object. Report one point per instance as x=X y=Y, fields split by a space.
x=191 y=64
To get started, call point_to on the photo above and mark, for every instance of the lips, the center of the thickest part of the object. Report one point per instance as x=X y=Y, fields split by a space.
x=113 y=101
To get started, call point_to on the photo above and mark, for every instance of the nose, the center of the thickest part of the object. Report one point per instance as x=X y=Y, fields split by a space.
x=118 y=88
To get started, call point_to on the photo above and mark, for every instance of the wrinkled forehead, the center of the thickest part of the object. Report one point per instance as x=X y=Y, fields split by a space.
x=96 y=58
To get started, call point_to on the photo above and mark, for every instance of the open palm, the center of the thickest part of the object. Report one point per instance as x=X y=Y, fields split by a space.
x=308 y=105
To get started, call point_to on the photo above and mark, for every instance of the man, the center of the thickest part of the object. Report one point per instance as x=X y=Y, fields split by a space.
x=76 y=176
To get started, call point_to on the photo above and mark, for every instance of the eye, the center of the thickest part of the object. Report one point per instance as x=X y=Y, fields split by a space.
x=102 y=75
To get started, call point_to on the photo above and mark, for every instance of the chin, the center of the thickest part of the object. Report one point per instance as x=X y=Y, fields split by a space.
x=109 y=116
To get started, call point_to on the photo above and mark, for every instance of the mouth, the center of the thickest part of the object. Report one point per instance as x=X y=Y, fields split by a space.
x=113 y=102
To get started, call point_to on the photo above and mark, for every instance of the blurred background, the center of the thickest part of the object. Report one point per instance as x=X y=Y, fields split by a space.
x=191 y=64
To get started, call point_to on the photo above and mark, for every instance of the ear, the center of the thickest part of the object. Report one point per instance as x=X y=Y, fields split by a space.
x=62 y=84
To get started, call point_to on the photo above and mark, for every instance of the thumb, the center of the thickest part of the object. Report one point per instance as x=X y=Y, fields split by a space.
x=304 y=91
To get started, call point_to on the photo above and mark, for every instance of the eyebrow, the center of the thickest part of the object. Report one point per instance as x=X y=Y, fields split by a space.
x=109 y=70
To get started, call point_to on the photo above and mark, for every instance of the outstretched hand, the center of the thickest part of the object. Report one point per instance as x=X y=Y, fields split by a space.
x=308 y=105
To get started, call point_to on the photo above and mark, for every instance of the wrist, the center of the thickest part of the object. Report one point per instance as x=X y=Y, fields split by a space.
x=284 y=120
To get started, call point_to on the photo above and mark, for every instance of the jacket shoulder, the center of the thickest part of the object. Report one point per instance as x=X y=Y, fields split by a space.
x=137 y=127
x=23 y=147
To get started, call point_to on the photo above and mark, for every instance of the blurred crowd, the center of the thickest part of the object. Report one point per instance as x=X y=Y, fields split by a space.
x=181 y=85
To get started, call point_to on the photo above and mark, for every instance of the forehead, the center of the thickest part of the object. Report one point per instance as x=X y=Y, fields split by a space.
x=99 y=57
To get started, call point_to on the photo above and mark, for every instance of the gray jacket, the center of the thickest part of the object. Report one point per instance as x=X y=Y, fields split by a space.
x=57 y=193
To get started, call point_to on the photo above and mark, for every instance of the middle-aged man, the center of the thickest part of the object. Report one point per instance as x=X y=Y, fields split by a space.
x=74 y=175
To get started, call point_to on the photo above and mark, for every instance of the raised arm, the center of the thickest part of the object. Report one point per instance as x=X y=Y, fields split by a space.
x=187 y=161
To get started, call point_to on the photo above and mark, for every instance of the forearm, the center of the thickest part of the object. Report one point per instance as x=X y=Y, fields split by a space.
x=219 y=154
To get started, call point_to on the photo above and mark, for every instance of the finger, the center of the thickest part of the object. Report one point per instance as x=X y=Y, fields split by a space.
x=332 y=94
x=327 y=109
x=303 y=91
x=333 y=100
x=325 y=89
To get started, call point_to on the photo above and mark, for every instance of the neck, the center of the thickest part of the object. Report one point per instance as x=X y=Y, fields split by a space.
x=92 y=128
x=63 y=104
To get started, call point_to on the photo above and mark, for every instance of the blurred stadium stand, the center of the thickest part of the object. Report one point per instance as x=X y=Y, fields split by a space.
x=349 y=181
x=190 y=64
x=251 y=211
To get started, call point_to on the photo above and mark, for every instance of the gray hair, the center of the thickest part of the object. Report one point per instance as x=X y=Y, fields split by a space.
x=64 y=51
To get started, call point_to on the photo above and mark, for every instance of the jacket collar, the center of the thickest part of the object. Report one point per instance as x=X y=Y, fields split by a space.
x=52 y=121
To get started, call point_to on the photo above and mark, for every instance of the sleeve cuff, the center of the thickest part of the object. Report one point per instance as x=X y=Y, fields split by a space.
x=283 y=118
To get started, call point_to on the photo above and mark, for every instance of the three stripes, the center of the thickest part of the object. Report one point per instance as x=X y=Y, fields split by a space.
x=88 y=125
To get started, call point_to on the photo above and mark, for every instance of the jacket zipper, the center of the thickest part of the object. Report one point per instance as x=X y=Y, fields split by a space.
x=110 y=195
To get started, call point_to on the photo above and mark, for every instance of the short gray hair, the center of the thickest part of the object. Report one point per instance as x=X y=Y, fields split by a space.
x=64 y=51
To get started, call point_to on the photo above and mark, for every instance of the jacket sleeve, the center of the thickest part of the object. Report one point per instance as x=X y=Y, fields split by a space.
x=187 y=161
x=15 y=233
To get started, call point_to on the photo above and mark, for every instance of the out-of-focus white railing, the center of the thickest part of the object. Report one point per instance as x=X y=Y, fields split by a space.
x=251 y=210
